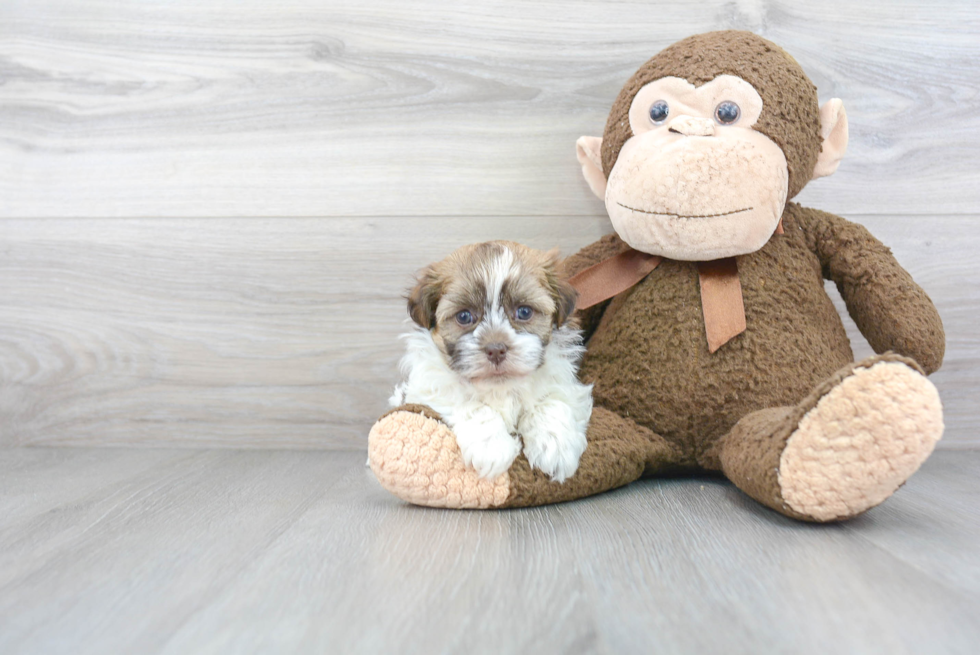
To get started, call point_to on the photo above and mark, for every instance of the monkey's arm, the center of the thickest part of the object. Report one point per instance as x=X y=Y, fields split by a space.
x=890 y=309
x=607 y=246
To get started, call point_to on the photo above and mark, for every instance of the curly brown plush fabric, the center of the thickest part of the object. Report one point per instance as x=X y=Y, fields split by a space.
x=792 y=125
x=619 y=452
x=649 y=359
x=664 y=404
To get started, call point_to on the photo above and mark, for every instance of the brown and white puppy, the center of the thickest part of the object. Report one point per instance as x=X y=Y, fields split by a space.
x=494 y=354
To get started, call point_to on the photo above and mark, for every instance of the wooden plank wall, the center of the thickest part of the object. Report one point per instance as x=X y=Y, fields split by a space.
x=209 y=210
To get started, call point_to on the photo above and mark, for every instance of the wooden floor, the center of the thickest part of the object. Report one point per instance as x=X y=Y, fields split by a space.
x=225 y=551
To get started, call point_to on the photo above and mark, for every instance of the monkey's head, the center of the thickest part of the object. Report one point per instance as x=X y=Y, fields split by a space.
x=707 y=142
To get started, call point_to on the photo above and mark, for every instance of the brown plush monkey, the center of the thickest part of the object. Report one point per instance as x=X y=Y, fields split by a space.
x=712 y=344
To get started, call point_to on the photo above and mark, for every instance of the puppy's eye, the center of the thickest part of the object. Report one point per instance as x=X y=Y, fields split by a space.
x=659 y=111
x=727 y=112
x=524 y=313
x=464 y=317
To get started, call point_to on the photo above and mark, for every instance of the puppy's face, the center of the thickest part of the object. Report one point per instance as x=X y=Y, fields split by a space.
x=492 y=308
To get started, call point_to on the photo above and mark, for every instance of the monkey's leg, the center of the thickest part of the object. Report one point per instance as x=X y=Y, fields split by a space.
x=415 y=457
x=842 y=450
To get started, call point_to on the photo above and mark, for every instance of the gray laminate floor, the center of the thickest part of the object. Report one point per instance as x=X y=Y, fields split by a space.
x=181 y=551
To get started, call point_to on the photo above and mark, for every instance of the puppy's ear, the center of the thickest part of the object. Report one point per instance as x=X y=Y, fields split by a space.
x=562 y=292
x=424 y=297
x=565 y=297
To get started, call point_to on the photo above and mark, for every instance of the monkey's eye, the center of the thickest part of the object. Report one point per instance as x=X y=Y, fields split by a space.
x=727 y=112
x=524 y=313
x=659 y=111
x=464 y=317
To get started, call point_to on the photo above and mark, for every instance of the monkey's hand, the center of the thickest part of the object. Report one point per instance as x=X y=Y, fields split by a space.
x=891 y=310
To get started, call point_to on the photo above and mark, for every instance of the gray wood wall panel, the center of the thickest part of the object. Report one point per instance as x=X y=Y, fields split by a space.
x=284 y=332
x=310 y=108
x=208 y=211
x=217 y=331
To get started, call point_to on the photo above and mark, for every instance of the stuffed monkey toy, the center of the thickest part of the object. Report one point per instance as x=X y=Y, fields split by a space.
x=711 y=343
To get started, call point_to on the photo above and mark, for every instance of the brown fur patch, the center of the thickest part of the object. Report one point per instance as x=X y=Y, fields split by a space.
x=790 y=113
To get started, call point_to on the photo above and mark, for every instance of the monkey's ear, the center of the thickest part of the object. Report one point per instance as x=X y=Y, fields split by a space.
x=424 y=297
x=588 y=149
x=833 y=135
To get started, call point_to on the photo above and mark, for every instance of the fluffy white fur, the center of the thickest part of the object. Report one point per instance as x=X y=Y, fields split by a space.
x=548 y=407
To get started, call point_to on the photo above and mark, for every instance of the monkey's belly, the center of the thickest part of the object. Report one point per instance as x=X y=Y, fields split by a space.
x=649 y=359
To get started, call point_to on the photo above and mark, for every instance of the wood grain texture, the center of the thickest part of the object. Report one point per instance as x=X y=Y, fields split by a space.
x=302 y=552
x=208 y=211
x=310 y=108
x=218 y=331
x=284 y=333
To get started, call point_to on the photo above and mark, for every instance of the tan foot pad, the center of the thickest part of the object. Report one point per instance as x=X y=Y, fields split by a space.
x=861 y=442
x=416 y=458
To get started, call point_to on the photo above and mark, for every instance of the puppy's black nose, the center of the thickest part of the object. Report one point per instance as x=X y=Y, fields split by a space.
x=496 y=352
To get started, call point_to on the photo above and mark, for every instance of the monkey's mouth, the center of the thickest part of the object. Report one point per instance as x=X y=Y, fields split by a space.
x=675 y=215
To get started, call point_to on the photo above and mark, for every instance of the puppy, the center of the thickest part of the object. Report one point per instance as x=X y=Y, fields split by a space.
x=494 y=353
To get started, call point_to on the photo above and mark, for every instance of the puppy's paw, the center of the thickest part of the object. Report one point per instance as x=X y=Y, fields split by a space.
x=485 y=443
x=553 y=440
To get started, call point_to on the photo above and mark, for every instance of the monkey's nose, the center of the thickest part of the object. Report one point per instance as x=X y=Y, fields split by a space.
x=691 y=126
x=496 y=353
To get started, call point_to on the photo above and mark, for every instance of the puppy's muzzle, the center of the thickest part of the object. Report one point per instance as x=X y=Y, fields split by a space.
x=496 y=353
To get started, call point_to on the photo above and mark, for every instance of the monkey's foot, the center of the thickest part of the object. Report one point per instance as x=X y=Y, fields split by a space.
x=415 y=456
x=843 y=449
x=861 y=441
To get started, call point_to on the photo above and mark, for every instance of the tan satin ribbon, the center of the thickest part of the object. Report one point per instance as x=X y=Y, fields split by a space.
x=721 y=301
x=721 y=291
x=612 y=276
